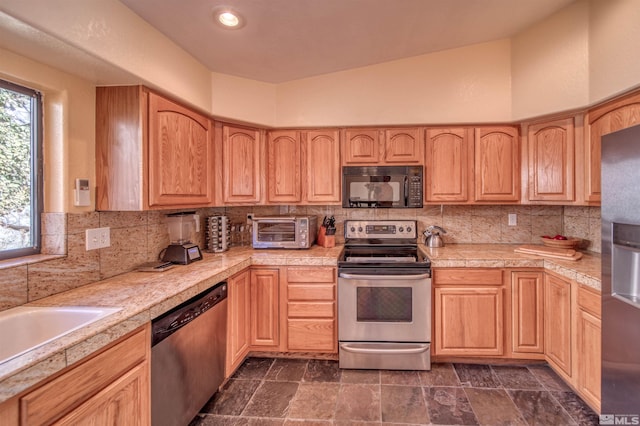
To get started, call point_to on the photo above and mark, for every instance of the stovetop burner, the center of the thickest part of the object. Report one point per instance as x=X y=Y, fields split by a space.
x=385 y=247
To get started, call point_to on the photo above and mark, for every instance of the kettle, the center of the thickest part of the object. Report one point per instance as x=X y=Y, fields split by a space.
x=432 y=236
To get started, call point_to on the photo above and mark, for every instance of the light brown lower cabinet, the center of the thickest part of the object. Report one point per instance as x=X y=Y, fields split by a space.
x=469 y=312
x=311 y=309
x=238 y=320
x=265 y=309
x=111 y=387
x=527 y=315
x=588 y=347
x=557 y=323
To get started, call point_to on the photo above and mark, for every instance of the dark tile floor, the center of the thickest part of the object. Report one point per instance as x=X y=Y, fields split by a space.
x=287 y=392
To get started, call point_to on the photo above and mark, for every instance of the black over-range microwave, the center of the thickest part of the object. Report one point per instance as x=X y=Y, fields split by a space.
x=382 y=186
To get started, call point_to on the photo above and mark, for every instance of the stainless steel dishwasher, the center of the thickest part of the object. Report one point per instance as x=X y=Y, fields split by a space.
x=188 y=356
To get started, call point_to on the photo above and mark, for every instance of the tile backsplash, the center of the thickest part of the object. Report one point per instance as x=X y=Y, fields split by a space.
x=138 y=237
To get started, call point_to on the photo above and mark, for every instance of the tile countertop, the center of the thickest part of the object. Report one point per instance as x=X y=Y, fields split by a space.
x=144 y=296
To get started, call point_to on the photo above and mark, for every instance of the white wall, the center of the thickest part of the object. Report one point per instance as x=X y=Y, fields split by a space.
x=113 y=33
x=614 y=47
x=470 y=84
x=242 y=99
x=550 y=64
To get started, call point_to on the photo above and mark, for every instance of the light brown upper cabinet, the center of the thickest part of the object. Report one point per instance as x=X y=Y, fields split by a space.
x=151 y=153
x=497 y=164
x=321 y=166
x=551 y=165
x=284 y=167
x=303 y=167
x=241 y=150
x=397 y=146
x=607 y=118
x=403 y=146
x=448 y=165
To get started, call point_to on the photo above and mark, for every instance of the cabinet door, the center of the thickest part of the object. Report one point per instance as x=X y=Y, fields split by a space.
x=551 y=161
x=180 y=155
x=469 y=321
x=322 y=166
x=239 y=317
x=283 y=167
x=608 y=118
x=527 y=319
x=361 y=147
x=264 y=308
x=589 y=357
x=448 y=164
x=126 y=401
x=497 y=160
x=557 y=322
x=404 y=146
x=241 y=165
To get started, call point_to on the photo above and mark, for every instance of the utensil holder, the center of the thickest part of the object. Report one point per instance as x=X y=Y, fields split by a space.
x=325 y=240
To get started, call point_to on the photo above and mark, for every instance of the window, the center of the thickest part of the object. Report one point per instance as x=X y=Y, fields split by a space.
x=20 y=170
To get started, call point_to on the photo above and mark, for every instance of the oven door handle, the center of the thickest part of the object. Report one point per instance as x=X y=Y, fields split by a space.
x=384 y=277
x=414 y=349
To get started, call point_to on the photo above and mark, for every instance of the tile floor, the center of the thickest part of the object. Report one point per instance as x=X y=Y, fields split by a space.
x=287 y=392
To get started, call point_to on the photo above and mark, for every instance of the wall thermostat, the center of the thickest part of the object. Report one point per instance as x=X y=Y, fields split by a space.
x=82 y=193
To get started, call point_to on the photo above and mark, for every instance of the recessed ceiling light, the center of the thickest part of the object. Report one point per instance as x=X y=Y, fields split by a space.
x=228 y=18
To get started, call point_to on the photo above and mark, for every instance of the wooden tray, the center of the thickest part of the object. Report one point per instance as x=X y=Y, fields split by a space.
x=568 y=243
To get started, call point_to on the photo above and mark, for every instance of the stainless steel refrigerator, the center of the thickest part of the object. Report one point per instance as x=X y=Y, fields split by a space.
x=621 y=272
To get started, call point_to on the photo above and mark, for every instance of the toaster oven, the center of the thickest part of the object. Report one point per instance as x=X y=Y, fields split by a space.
x=289 y=232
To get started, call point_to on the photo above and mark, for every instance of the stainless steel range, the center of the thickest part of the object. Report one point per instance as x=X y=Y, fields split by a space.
x=384 y=297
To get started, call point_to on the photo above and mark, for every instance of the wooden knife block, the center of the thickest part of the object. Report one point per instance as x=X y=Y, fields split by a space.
x=325 y=240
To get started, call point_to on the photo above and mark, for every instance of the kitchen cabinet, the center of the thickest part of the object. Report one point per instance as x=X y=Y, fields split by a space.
x=151 y=153
x=375 y=147
x=527 y=314
x=551 y=163
x=588 y=347
x=238 y=320
x=304 y=167
x=241 y=151
x=557 y=323
x=497 y=164
x=448 y=164
x=321 y=167
x=361 y=147
x=404 y=146
x=604 y=119
x=311 y=309
x=111 y=387
x=265 y=308
x=284 y=167
x=469 y=312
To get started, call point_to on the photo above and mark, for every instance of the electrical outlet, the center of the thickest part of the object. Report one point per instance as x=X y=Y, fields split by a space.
x=97 y=238
x=249 y=218
x=513 y=219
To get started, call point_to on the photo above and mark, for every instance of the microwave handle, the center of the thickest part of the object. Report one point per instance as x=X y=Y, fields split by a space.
x=406 y=191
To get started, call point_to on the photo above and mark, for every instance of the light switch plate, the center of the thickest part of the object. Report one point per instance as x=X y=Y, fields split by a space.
x=97 y=238
x=513 y=219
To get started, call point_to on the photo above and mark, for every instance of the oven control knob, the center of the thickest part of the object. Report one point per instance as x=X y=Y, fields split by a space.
x=408 y=229
x=360 y=229
x=353 y=229
x=401 y=229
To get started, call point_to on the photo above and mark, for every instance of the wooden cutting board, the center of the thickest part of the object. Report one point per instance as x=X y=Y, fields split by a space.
x=551 y=252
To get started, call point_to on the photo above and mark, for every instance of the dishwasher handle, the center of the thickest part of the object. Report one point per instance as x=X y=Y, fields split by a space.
x=178 y=317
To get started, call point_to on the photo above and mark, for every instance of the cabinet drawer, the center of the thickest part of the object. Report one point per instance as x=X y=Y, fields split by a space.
x=489 y=276
x=311 y=275
x=589 y=300
x=311 y=292
x=312 y=335
x=56 y=398
x=310 y=309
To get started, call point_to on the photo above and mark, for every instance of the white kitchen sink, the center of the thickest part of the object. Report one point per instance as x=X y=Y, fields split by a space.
x=25 y=328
